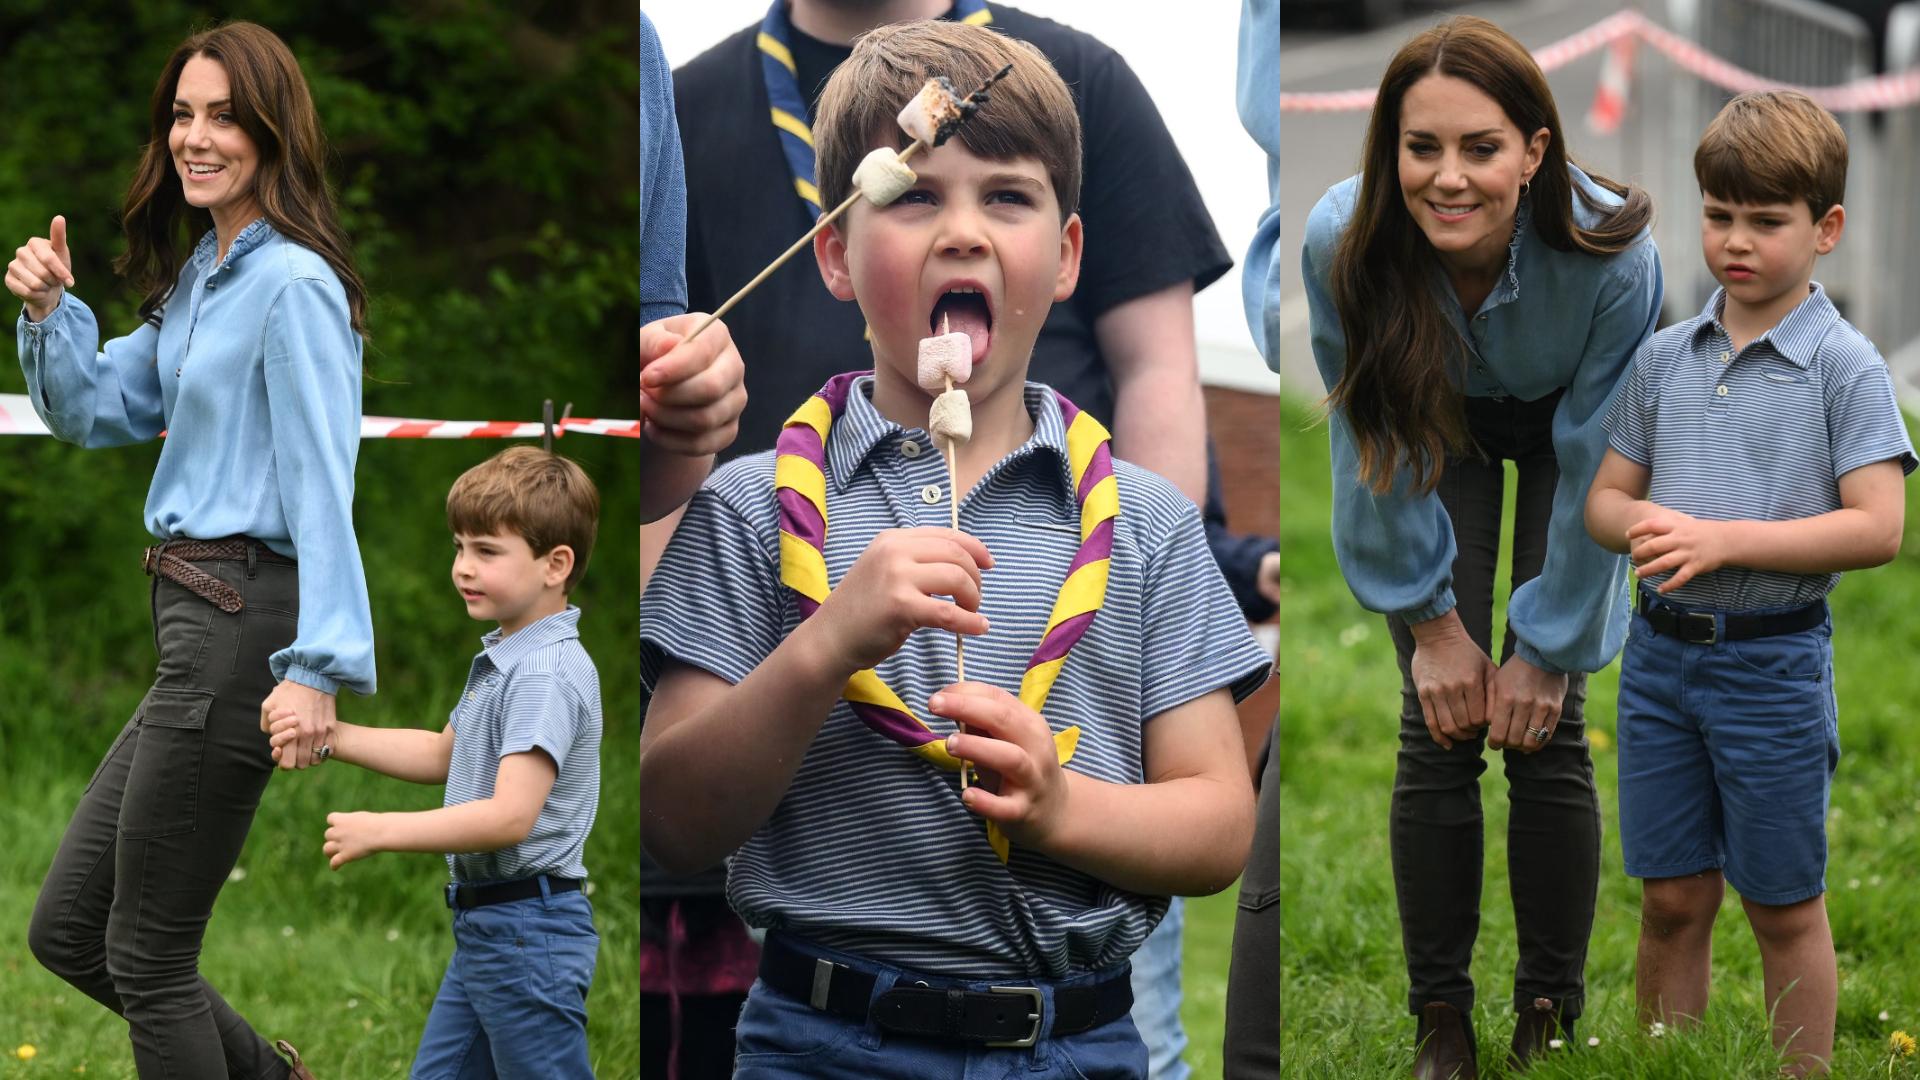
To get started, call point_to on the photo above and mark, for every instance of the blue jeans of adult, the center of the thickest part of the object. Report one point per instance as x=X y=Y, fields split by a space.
x=783 y=1038
x=1156 y=997
x=513 y=1003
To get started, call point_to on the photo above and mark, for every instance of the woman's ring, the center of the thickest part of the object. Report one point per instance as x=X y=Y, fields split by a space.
x=1540 y=733
x=322 y=753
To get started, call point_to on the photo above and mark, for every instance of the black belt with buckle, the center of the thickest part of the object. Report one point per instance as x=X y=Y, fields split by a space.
x=998 y=1016
x=466 y=897
x=1700 y=627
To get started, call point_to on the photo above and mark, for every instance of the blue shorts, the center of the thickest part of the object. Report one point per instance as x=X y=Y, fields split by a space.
x=783 y=1038
x=513 y=1004
x=1727 y=754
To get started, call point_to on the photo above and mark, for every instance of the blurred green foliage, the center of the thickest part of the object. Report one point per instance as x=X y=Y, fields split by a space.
x=485 y=156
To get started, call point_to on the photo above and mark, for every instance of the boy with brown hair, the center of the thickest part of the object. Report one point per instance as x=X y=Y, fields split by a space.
x=916 y=928
x=1755 y=453
x=520 y=758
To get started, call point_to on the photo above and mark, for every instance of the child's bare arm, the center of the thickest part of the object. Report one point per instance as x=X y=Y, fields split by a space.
x=413 y=754
x=1185 y=832
x=520 y=789
x=1864 y=532
x=1617 y=500
x=716 y=758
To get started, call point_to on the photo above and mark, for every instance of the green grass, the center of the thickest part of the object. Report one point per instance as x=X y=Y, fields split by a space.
x=1343 y=978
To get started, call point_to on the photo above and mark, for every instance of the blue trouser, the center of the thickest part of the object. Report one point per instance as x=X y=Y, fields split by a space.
x=783 y=1038
x=513 y=1004
x=1156 y=997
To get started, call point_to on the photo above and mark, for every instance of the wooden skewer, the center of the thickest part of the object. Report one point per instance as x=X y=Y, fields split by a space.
x=953 y=504
x=826 y=219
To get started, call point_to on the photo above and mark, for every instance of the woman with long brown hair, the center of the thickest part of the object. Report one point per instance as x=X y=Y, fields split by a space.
x=248 y=357
x=1475 y=297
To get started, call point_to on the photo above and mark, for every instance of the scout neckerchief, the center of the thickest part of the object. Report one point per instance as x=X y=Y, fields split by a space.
x=800 y=484
x=790 y=104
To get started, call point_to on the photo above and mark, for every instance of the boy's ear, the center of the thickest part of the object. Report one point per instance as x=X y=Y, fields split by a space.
x=1826 y=231
x=1069 y=276
x=830 y=251
x=557 y=564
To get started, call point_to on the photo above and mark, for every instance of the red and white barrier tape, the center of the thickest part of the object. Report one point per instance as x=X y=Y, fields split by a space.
x=18 y=418
x=1893 y=91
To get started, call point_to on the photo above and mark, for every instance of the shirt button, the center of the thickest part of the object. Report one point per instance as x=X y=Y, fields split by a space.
x=1721 y=390
x=1725 y=356
x=910 y=448
x=930 y=494
x=176 y=373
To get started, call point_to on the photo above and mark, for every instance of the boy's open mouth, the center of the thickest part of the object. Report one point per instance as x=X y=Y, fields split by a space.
x=964 y=309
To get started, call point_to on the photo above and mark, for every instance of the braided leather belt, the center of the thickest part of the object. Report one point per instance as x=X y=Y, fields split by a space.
x=174 y=561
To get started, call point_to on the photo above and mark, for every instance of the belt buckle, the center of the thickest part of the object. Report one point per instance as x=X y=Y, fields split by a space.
x=1032 y=993
x=1687 y=622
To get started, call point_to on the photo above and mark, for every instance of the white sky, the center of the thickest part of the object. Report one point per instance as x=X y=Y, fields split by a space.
x=1187 y=64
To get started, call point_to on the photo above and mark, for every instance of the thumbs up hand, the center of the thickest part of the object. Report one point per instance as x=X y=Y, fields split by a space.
x=41 y=271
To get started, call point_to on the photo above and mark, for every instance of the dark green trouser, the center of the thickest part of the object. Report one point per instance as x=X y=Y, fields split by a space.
x=126 y=902
x=1553 y=825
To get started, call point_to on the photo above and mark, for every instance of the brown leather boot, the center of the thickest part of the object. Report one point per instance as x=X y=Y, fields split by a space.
x=299 y=1070
x=1536 y=1024
x=1445 y=1052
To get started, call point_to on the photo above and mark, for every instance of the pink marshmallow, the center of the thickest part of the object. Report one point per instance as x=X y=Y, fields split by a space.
x=944 y=355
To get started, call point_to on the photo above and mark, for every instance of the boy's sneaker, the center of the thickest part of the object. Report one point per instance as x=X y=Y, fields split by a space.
x=299 y=1070
x=1446 y=1050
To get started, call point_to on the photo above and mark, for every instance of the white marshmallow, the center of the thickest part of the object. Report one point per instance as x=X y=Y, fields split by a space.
x=932 y=107
x=882 y=177
x=942 y=356
x=951 y=416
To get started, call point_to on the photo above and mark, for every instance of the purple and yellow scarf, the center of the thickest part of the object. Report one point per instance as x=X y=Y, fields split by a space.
x=800 y=484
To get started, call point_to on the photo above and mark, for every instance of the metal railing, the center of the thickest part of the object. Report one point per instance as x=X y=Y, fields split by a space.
x=1898 y=237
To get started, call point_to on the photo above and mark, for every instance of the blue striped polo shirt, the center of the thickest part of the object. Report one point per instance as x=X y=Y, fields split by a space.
x=1762 y=434
x=532 y=689
x=870 y=849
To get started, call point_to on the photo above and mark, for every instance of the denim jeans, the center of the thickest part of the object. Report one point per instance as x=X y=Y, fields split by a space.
x=127 y=899
x=513 y=1003
x=1553 y=824
x=783 y=1038
x=1156 y=997
x=1727 y=754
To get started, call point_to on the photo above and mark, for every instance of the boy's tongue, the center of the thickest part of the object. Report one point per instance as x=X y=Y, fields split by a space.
x=965 y=313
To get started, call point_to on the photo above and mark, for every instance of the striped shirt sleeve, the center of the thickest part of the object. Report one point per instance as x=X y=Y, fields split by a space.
x=715 y=601
x=536 y=713
x=1629 y=419
x=1193 y=639
x=1864 y=425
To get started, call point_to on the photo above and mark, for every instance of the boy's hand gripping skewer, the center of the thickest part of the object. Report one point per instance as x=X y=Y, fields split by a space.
x=944 y=360
x=932 y=117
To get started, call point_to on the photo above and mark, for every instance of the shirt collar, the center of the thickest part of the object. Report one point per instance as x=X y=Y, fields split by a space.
x=504 y=651
x=861 y=430
x=1795 y=337
x=256 y=233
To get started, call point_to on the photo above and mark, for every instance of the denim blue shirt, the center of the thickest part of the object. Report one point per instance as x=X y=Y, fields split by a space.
x=1258 y=95
x=1557 y=320
x=254 y=374
x=663 y=187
